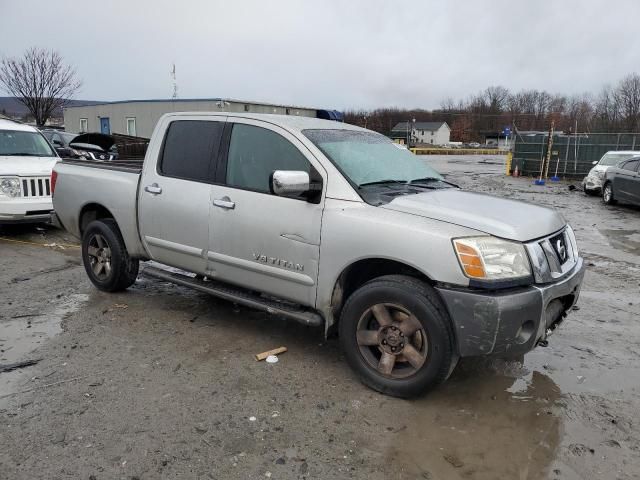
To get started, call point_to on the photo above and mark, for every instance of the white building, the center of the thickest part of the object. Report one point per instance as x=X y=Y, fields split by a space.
x=139 y=117
x=429 y=133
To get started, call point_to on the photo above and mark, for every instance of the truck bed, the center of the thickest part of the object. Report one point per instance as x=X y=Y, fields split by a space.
x=112 y=186
x=133 y=165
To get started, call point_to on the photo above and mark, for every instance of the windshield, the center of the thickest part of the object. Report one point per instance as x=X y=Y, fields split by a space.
x=370 y=158
x=24 y=144
x=610 y=159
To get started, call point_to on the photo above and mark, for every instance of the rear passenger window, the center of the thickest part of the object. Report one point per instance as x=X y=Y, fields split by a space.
x=189 y=148
x=254 y=153
x=631 y=165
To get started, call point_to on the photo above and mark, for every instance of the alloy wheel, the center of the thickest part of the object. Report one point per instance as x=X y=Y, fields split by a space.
x=392 y=340
x=99 y=256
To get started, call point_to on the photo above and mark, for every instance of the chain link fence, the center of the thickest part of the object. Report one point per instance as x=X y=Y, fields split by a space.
x=571 y=155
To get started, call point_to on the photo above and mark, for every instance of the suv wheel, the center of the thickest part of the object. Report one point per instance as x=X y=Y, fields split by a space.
x=607 y=194
x=105 y=257
x=396 y=335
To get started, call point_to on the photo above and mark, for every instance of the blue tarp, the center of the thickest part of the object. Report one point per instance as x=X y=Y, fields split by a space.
x=331 y=115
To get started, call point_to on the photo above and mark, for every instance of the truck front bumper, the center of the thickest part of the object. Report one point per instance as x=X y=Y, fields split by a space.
x=511 y=322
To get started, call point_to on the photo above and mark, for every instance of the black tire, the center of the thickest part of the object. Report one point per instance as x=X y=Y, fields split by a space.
x=607 y=194
x=422 y=302
x=122 y=271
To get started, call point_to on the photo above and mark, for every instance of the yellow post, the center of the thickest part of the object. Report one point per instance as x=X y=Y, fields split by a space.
x=508 y=163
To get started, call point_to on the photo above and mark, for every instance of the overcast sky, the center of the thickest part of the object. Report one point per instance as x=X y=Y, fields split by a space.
x=331 y=54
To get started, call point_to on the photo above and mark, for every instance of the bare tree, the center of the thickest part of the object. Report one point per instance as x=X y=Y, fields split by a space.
x=496 y=97
x=40 y=80
x=628 y=95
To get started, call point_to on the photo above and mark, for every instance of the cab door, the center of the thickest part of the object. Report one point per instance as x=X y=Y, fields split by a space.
x=259 y=240
x=174 y=197
x=626 y=180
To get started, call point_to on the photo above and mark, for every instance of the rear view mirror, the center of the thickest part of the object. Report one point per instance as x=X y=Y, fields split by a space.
x=57 y=143
x=595 y=162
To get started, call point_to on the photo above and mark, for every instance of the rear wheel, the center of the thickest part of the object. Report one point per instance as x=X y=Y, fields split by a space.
x=105 y=257
x=396 y=335
x=607 y=194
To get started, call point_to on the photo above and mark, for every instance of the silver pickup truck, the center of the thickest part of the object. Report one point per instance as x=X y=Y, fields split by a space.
x=330 y=225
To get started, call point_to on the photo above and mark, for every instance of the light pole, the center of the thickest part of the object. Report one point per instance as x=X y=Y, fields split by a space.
x=412 y=128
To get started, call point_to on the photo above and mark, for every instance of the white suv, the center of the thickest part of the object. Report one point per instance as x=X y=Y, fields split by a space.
x=26 y=161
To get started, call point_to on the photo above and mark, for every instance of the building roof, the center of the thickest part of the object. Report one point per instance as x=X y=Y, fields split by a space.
x=188 y=100
x=429 y=126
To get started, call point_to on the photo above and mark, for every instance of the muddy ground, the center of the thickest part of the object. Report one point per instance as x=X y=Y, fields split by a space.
x=160 y=382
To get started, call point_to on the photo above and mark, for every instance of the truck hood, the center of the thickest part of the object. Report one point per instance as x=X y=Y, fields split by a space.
x=509 y=219
x=26 y=166
x=105 y=142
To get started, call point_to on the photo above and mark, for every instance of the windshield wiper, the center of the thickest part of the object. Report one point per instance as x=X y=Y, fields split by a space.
x=427 y=180
x=382 y=182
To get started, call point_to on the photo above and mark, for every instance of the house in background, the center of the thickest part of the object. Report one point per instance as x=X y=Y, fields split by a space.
x=427 y=133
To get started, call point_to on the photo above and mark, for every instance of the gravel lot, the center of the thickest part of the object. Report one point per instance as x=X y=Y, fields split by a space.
x=160 y=381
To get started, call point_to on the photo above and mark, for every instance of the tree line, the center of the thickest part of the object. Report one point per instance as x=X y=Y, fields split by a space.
x=615 y=108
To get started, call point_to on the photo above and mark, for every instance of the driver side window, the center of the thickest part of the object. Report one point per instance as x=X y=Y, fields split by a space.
x=255 y=152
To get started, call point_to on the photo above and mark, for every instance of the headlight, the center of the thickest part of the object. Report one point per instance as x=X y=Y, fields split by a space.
x=491 y=258
x=600 y=174
x=10 y=187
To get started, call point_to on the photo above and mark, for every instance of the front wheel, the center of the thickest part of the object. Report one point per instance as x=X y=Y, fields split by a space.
x=607 y=194
x=396 y=335
x=105 y=257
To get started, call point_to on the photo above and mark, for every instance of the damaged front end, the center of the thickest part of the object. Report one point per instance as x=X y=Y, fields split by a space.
x=515 y=320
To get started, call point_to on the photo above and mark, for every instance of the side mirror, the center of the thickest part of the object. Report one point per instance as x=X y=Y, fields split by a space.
x=595 y=162
x=293 y=183
x=288 y=183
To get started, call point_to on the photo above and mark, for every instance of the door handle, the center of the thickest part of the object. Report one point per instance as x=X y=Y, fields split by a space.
x=224 y=202
x=153 y=188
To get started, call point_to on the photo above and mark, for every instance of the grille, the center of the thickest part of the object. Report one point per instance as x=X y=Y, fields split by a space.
x=554 y=256
x=36 y=187
x=559 y=246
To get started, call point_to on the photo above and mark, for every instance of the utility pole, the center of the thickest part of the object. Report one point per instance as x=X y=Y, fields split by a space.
x=175 y=83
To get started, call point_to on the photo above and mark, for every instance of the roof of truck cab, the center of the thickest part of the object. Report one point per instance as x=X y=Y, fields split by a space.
x=294 y=122
x=11 y=125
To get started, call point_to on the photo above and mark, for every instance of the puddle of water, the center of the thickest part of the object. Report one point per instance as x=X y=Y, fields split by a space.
x=627 y=240
x=20 y=336
x=483 y=423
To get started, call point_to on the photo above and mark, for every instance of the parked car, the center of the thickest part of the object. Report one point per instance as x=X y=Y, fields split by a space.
x=592 y=183
x=95 y=146
x=60 y=142
x=26 y=161
x=330 y=225
x=622 y=182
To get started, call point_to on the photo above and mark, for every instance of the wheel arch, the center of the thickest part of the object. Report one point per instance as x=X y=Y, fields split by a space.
x=361 y=271
x=91 y=212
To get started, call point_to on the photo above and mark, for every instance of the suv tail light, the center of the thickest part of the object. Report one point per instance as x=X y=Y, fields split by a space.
x=54 y=177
